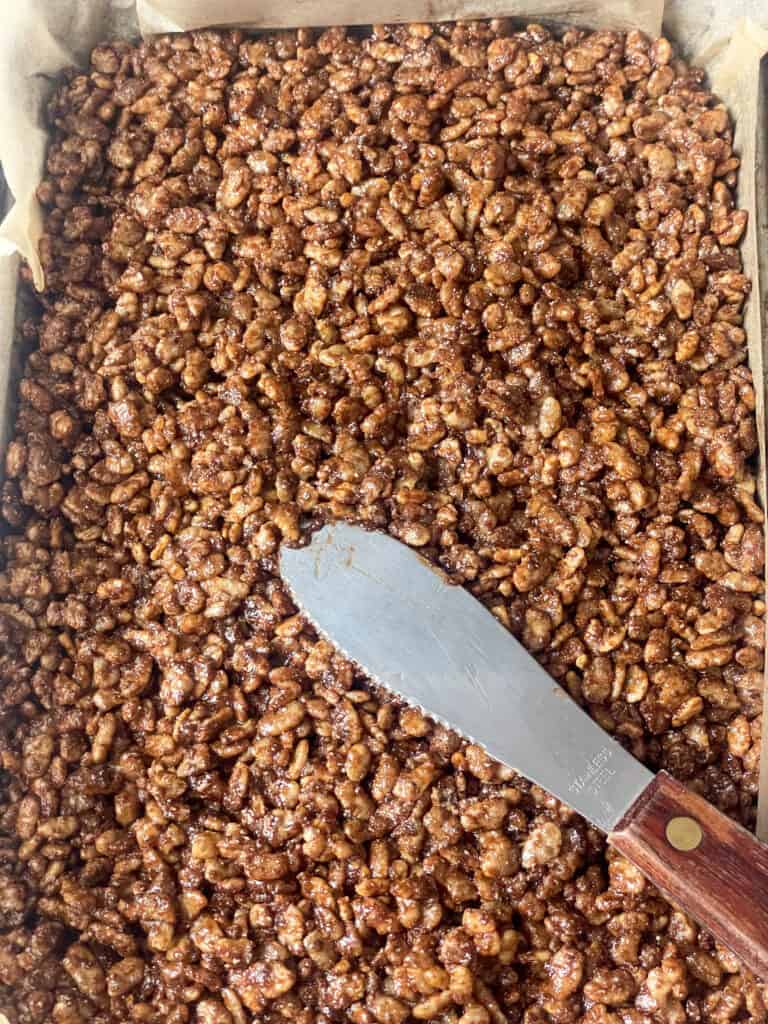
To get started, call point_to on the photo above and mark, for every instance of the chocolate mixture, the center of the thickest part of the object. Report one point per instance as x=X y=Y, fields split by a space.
x=476 y=288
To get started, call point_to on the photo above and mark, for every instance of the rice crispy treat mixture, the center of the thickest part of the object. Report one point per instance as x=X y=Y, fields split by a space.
x=476 y=287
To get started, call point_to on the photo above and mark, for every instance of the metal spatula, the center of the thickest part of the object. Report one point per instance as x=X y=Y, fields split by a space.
x=437 y=647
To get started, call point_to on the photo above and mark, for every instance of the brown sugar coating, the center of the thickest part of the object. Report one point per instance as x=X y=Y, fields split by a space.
x=477 y=288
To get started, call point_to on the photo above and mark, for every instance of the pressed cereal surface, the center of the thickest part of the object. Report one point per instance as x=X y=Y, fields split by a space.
x=480 y=289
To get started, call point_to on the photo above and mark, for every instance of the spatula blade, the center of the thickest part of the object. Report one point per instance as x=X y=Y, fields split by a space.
x=437 y=647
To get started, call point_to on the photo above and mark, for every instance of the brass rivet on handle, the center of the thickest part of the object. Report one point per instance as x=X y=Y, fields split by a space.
x=684 y=833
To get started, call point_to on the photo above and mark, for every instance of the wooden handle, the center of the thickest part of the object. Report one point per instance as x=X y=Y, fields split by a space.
x=708 y=865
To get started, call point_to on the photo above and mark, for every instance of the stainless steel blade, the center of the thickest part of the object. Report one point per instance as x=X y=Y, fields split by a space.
x=437 y=647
